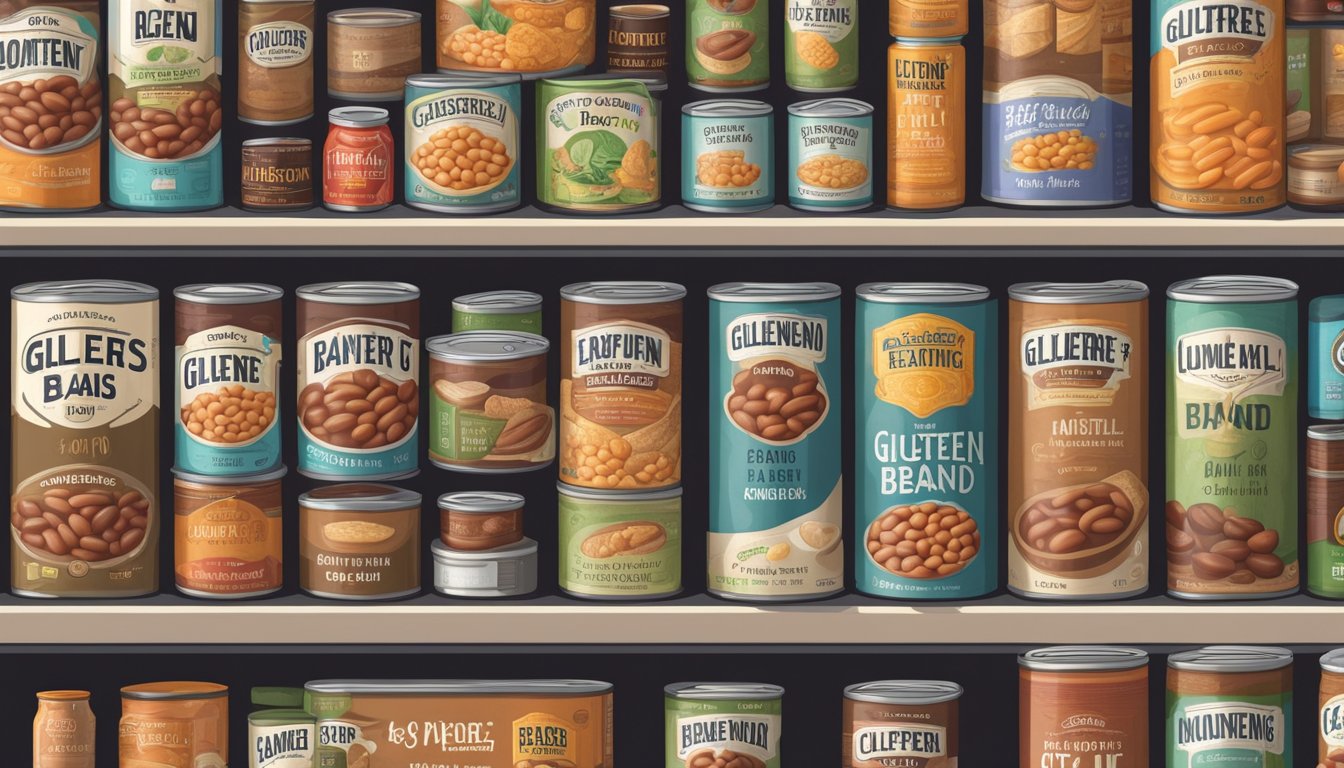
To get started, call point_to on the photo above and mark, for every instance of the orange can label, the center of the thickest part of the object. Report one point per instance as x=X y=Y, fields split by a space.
x=926 y=125
x=228 y=547
x=929 y=18
x=357 y=168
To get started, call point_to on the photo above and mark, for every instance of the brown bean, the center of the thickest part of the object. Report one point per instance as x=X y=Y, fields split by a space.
x=132 y=538
x=1264 y=542
x=1205 y=518
x=1241 y=528
x=105 y=519
x=1067 y=541
x=1212 y=566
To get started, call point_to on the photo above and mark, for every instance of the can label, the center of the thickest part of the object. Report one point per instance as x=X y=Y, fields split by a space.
x=728 y=44
x=523 y=322
x=1246 y=730
x=232 y=372
x=1325 y=358
x=728 y=161
x=461 y=147
x=1325 y=534
x=357 y=168
x=830 y=159
x=927 y=406
x=1331 y=724
x=278 y=177
x=926 y=126
x=626 y=549
x=598 y=149
x=821 y=47
x=283 y=746
x=775 y=487
x=700 y=731
x=228 y=547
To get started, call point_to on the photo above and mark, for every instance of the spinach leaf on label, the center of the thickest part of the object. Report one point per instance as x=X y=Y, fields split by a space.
x=492 y=20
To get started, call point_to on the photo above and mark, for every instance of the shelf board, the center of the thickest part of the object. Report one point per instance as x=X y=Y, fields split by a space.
x=674 y=226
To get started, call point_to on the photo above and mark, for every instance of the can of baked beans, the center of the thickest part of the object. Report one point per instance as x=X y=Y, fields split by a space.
x=728 y=45
x=927 y=395
x=620 y=546
x=708 y=722
x=1325 y=358
x=1330 y=734
x=728 y=156
x=929 y=18
x=637 y=36
x=1232 y=438
x=1325 y=511
x=1083 y=705
x=463 y=141
x=275 y=61
x=775 y=492
x=359 y=541
x=821 y=45
x=498 y=311
x=227 y=534
x=926 y=123
x=1078 y=439
x=84 y=450
x=1230 y=704
x=831 y=155
x=900 y=722
x=277 y=174
x=357 y=169
x=358 y=380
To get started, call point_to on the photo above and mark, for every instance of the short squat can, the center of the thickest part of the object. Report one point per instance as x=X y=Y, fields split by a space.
x=727 y=156
x=462 y=143
x=707 y=721
x=831 y=155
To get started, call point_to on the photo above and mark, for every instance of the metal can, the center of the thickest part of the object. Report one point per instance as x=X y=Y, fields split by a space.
x=727 y=156
x=637 y=37
x=620 y=384
x=1302 y=77
x=1078 y=501
x=539 y=38
x=1325 y=512
x=821 y=45
x=474 y=520
x=1330 y=730
x=929 y=18
x=84 y=447
x=498 y=311
x=507 y=571
x=275 y=61
x=489 y=412
x=1232 y=438
x=359 y=345
x=1229 y=704
x=359 y=541
x=775 y=493
x=728 y=45
x=228 y=539
x=277 y=174
x=463 y=143
x=63 y=730
x=926 y=398
x=174 y=723
x=1083 y=705
x=926 y=124
x=722 y=721
x=371 y=52
x=831 y=155
x=900 y=722
x=1315 y=181
x=620 y=546
x=283 y=735
x=1325 y=358
x=357 y=169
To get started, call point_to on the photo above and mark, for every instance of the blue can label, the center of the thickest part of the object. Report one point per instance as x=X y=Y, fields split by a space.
x=462 y=147
x=1325 y=358
x=830 y=162
x=227 y=380
x=727 y=162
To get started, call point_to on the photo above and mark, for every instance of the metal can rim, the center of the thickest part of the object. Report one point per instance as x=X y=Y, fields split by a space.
x=922 y=293
x=1083 y=658
x=176 y=690
x=463 y=80
x=773 y=293
x=253 y=478
x=906 y=692
x=87 y=291
x=518 y=550
x=481 y=502
x=710 y=108
x=601 y=495
x=1333 y=661
x=562 y=687
x=1233 y=289
x=358 y=117
x=359 y=292
x=831 y=107
x=529 y=345
x=1326 y=432
x=372 y=17
x=498 y=302
x=1232 y=658
x=389 y=498
x=623 y=292
x=723 y=691
x=1101 y=292
x=228 y=293
x=279 y=141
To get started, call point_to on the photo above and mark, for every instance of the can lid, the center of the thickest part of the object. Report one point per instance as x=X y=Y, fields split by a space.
x=481 y=501
x=358 y=117
x=773 y=292
x=90 y=291
x=1333 y=661
x=228 y=293
x=523 y=547
x=724 y=691
x=1233 y=289
x=174 y=691
x=485 y=346
x=373 y=17
x=623 y=292
x=281 y=697
x=1330 y=154
x=599 y=495
x=1106 y=292
x=359 y=292
x=831 y=108
x=906 y=692
x=460 y=687
x=497 y=302
x=463 y=79
x=728 y=108
x=640 y=11
x=279 y=141
x=922 y=293
x=652 y=79
x=1232 y=658
x=364 y=497
x=1083 y=658
x=1329 y=432
x=248 y=479
x=70 y=695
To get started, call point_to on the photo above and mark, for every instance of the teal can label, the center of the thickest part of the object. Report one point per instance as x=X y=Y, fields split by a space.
x=927 y=416
x=831 y=155
x=727 y=151
x=775 y=477
x=462 y=143
x=1325 y=358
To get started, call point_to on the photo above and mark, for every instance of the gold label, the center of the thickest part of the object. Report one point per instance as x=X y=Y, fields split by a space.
x=924 y=363
x=543 y=739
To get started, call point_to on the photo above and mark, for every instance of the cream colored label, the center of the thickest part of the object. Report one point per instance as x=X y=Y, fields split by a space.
x=1315 y=186
x=1126 y=571
x=621 y=354
x=279 y=44
x=899 y=740
x=753 y=735
x=218 y=359
x=793 y=558
x=1229 y=365
x=163 y=42
x=1332 y=722
x=798 y=337
x=924 y=363
x=283 y=746
x=349 y=348
x=42 y=43
x=1075 y=365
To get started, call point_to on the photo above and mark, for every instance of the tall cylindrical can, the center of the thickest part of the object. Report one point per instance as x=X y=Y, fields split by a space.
x=1230 y=705
x=1325 y=358
x=831 y=155
x=1078 y=439
x=1325 y=512
x=84 y=448
x=275 y=61
x=926 y=399
x=775 y=491
x=63 y=730
x=1232 y=438
x=910 y=723
x=926 y=123
x=706 y=722
x=728 y=44
x=1083 y=705
x=1330 y=720
x=821 y=45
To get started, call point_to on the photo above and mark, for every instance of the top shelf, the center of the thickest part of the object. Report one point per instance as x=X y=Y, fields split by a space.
x=674 y=226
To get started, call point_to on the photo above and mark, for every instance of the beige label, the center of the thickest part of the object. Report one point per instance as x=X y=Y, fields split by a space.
x=1074 y=365
x=924 y=363
x=163 y=42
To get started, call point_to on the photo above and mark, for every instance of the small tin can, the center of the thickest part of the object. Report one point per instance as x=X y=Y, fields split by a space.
x=926 y=123
x=620 y=546
x=1230 y=705
x=728 y=45
x=1325 y=358
x=508 y=571
x=831 y=155
x=275 y=61
x=228 y=534
x=476 y=520
x=927 y=397
x=359 y=541
x=821 y=45
x=489 y=411
x=727 y=156
x=463 y=143
x=277 y=174
x=357 y=170
x=900 y=722
x=705 y=721
x=1316 y=175
x=371 y=52
x=1232 y=438
x=1330 y=733
x=775 y=490
x=174 y=723
x=929 y=18
x=283 y=735
x=498 y=311
x=637 y=37
x=1081 y=705
x=63 y=730
x=1325 y=511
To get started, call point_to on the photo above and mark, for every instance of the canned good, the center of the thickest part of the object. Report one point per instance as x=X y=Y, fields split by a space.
x=1316 y=176
x=1315 y=10
x=164 y=68
x=228 y=539
x=933 y=18
x=637 y=37
x=1229 y=704
x=1216 y=77
x=508 y=571
x=275 y=61
x=84 y=447
x=722 y=721
x=926 y=124
x=463 y=142
x=228 y=365
x=357 y=169
x=821 y=47
x=1330 y=730
x=1325 y=511
x=775 y=491
x=1325 y=358
x=727 y=156
x=1232 y=438
x=489 y=412
x=728 y=45
x=926 y=394
x=620 y=385
x=277 y=174
x=498 y=311
x=539 y=38
x=1331 y=42
x=63 y=730
x=359 y=541
x=371 y=52
x=599 y=144
x=58 y=167
x=1302 y=77
x=474 y=520
x=359 y=344
x=1325 y=447
x=283 y=735
x=1078 y=500
x=831 y=155
x=1083 y=705
x=900 y=722
x=620 y=546
x=174 y=723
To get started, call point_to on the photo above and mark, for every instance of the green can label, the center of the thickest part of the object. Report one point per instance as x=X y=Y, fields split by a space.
x=598 y=145
x=524 y=322
x=622 y=548
x=821 y=44
x=1215 y=731
x=734 y=732
x=728 y=44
